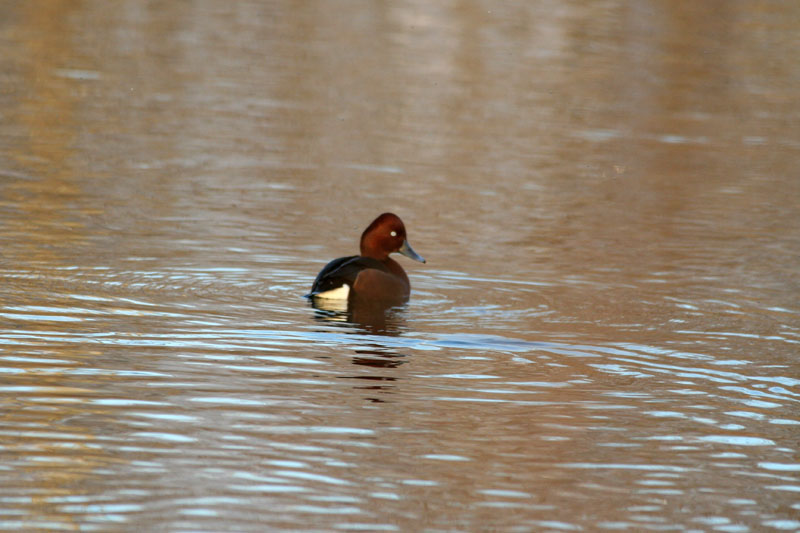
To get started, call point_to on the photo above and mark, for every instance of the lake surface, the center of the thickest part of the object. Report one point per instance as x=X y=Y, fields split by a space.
x=605 y=335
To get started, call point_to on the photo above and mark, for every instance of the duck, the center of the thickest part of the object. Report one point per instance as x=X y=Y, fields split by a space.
x=372 y=276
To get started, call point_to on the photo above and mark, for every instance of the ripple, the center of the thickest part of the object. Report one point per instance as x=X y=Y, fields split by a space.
x=736 y=440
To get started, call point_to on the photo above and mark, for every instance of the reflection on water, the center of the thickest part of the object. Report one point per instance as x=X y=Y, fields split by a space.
x=372 y=317
x=605 y=337
x=372 y=320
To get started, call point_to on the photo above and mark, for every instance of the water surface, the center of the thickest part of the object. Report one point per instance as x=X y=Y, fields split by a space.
x=605 y=335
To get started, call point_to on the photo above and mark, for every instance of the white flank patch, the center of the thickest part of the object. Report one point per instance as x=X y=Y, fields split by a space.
x=339 y=293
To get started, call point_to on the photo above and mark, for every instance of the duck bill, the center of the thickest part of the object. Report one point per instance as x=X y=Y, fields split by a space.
x=407 y=251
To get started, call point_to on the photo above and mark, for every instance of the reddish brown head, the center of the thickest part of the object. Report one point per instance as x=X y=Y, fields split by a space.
x=384 y=236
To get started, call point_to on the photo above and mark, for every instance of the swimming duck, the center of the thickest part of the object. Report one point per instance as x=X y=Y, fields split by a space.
x=373 y=275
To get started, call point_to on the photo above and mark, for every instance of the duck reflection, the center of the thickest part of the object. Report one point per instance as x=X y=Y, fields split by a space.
x=373 y=319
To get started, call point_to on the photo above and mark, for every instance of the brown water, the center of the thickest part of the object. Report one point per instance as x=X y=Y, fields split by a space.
x=605 y=336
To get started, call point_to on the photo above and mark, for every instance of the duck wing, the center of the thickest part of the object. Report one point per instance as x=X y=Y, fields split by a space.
x=343 y=270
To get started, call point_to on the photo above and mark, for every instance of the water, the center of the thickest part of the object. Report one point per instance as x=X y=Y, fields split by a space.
x=605 y=335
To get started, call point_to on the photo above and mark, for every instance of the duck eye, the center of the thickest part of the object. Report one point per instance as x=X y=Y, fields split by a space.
x=393 y=234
